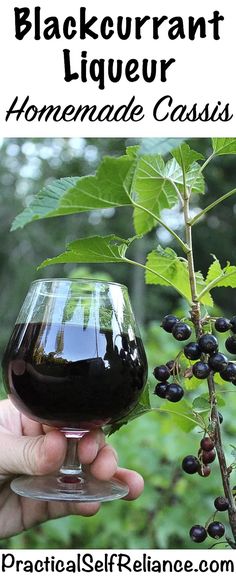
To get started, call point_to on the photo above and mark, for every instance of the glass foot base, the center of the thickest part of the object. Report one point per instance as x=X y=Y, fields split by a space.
x=81 y=487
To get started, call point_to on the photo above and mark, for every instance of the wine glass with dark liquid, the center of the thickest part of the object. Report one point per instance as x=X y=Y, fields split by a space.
x=75 y=361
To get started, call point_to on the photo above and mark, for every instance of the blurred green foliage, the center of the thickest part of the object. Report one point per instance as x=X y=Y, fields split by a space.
x=155 y=444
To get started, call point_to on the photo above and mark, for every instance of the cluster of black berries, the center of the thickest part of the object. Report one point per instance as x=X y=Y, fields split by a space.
x=215 y=529
x=208 y=360
x=200 y=464
x=216 y=361
x=171 y=391
x=180 y=331
x=204 y=351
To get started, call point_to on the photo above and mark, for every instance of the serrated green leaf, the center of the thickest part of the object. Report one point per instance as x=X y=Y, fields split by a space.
x=218 y=277
x=201 y=284
x=223 y=146
x=186 y=155
x=74 y=195
x=167 y=269
x=159 y=145
x=214 y=271
x=132 y=151
x=143 y=406
x=152 y=190
x=92 y=249
x=155 y=187
x=194 y=179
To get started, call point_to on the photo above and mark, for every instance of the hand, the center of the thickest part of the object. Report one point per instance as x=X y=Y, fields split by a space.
x=26 y=447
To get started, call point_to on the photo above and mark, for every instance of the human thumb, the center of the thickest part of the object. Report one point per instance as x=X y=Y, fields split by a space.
x=31 y=455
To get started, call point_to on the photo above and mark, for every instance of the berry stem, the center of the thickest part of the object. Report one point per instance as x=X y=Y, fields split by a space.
x=198 y=326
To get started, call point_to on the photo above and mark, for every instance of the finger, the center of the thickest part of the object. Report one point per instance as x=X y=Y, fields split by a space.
x=31 y=428
x=62 y=509
x=37 y=512
x=105 y=464
x=90 y=445
x=134 y=481
x=32 y=455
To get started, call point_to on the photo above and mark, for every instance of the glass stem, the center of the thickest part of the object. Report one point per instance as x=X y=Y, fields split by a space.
x=71 y=465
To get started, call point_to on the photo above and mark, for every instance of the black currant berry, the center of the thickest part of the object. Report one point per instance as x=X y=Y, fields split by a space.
x=233 y=324
x=170 y=365
x=201 y=370
x=230 y=344
x=181 y=331
x=221 y=504
x=198 y=533
x=168 y=323
x=222 y=325
x=161 y=373
x=174 y=367
x=190 y=464
x=160 y=390
x=208 y=457
x=216 y=530
x=192 y=351
x=220 y=418
x=207 y=444
x=204 y=471
x=217 y=361
x=229 y=373
x=174 y=393
x=208 y=343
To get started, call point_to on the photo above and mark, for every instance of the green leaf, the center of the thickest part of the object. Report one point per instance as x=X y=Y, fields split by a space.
x=93 y=249
x=181 y=416
x=201 y=284
x=218 y=277
x=201 y=404
x=159 y=145
x=194 y=178
x=214 y=271
x=151 y=189
x=223 y=146
x=132 y=151
x=186 y=155
x=167 y=269
x=155 y=187
x=192 y=384
x=143 y=406
x=74 y=195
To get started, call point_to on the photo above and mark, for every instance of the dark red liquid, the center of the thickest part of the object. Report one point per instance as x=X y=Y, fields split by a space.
x=73 y=377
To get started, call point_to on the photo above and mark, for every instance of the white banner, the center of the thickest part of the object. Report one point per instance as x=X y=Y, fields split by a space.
x=116 y=562
x=122 y=68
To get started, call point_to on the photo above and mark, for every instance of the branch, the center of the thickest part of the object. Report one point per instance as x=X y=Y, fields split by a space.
x=207 y=162
x=197 y=321
x=225 y=475
x=195 y=310
x=208 y=208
